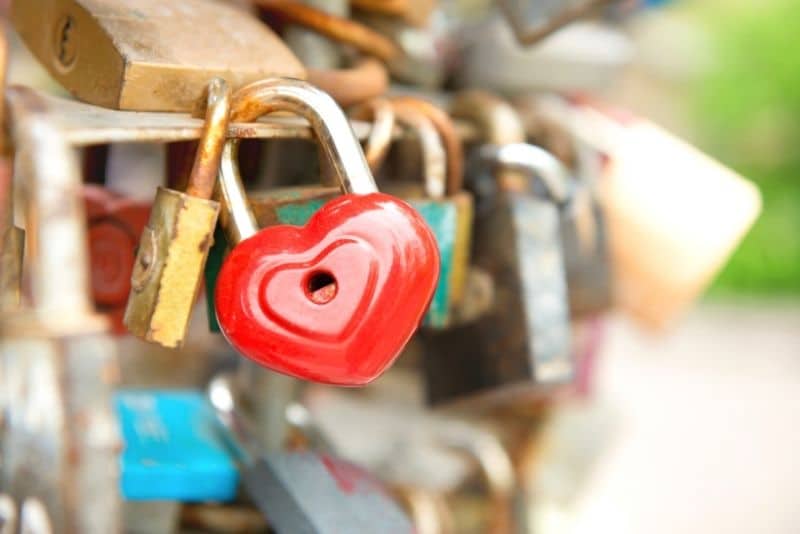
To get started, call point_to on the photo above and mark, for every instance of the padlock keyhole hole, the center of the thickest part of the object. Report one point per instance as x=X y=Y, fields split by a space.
x=321 y=287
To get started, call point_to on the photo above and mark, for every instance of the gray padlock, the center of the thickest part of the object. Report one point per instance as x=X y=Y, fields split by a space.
x=520 y=349
x=305 y=492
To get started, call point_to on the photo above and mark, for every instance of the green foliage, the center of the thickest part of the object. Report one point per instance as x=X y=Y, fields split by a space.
x=748 y=111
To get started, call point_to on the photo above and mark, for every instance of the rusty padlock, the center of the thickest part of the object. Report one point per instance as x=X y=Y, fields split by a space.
x=175 y=243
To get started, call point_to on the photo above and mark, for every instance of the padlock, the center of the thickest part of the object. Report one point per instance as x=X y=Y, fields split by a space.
x=520 y=348
x=446 y=208
x=289 y=205
x=584 y=233
x=461 y=199
x=584 y=237
x=116 y=224
x=174 y=247
x=581 y=227
x=334 y=301
x=651 y=221
x=60 y=442
x=173 y=448
x=497 y=473
x=145 y=55
x=304 y=491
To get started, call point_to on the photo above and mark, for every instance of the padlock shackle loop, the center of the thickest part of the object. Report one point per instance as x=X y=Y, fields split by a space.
x=380 y=112
x=495 y=466
x=434 y=158
x=498 y=121
x=222 y=396
x=328 y=122
x=532 y=160
x=490 y=455
x=453 y=147
x=237 y=219
x=203 y=176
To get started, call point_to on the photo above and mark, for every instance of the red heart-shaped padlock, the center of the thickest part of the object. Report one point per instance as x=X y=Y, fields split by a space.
x=334 y=301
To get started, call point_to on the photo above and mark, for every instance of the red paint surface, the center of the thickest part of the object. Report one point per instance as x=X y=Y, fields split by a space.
x=385 y=262
x=351 y=478
x=115 y=224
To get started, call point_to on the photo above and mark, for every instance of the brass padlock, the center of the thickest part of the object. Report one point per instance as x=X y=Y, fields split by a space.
x=175 y=243
x=57 y=362
x=149 y=55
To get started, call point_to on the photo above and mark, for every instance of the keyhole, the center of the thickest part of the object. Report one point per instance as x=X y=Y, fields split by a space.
x=66 y=48
x=321 y=287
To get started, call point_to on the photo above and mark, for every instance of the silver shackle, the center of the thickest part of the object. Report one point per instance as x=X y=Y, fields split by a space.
x=533 y=160
x=330 y=127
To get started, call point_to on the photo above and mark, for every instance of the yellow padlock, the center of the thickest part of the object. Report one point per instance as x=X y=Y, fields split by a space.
x=175 y=243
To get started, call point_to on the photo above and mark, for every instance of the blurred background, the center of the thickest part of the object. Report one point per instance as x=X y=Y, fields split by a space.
x=690 y=430
x=703 y=435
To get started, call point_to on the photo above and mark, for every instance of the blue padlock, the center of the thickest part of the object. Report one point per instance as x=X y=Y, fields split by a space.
x=174 y=448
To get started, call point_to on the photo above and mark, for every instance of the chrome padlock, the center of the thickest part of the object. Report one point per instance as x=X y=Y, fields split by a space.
x=175 y=243
x=60 y=442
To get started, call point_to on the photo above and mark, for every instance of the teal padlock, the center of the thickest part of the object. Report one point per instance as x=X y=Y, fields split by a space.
x=445 y=207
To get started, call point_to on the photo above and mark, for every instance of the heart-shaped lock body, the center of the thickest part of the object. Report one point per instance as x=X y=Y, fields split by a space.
x=334 y=301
